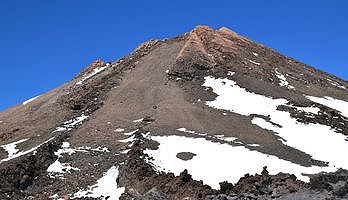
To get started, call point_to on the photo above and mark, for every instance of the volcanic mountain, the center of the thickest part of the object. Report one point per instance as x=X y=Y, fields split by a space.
x=208 y=114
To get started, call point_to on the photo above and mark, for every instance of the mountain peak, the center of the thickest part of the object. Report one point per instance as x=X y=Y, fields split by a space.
x=227 y=31
x=202 y=28
x=205 y=48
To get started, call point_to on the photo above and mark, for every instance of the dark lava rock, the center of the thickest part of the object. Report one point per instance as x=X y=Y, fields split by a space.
x=185 y=155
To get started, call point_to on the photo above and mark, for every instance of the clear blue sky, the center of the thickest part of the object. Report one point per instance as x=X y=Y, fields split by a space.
x=43 y=44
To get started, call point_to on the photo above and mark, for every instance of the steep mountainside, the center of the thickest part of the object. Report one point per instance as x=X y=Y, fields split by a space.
x=206 y=115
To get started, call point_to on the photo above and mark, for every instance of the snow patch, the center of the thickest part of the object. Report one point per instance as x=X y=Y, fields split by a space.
x=119 y=130
x=61 y=168
x=185 y=130
x=77 y=121
x=311 y=109
x=56 y=197
x=100 y=149
x=138 y=120
x=130 y=139
x=283 y=82
x=70 y=124
x=189 y=131
x=59 y=129
x=125 y=151
x=11 y=148
x=106 y=187
x=309 y=138
x=58 y=167
x=131 y=133
x=253 y=145
x=255 y=54
x=30 y=100
x=227 y=91
x=15 y=153
x=229 y=73
x=333 y=103
x=253 y=62
x=336 y=84
x=94 y=72
x=223 y=161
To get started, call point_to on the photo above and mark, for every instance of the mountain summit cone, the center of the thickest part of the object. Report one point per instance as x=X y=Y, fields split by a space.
x=190 y=117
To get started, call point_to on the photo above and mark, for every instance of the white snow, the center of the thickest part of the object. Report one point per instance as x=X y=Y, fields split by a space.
x=77 y=121
x=336 y=84
x=339 y=86
x=100 y=149
x=262 y=123
x=94 y=72
x=282 y=79
x=185 y=130
x=58 y=167
x=229 y=139
x=65 y=145
x=11 y=148
x=125 y=151
x=312 y=109
x=229 y=73
x=309 y=138
x=30 y=100
x=234 y=98
x=138 y=120
x=215 y=162
x=129 y=139
x=70 y=124
x=330 y=102
x=255 y=63
x=220 y=137
x=119 y=130
x=255 y=54
x=253 y=145
x=55 y=197
x=61 y=168
x=131 y=133
x=21 y=153
x=106 y=187
x=59 y=129
x=189 y=131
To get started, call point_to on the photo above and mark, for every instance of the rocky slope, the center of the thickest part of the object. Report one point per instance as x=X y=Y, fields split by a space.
x=206 y=115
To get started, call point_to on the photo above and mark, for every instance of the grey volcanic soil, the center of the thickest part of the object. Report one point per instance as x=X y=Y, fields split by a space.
x=161 y=82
